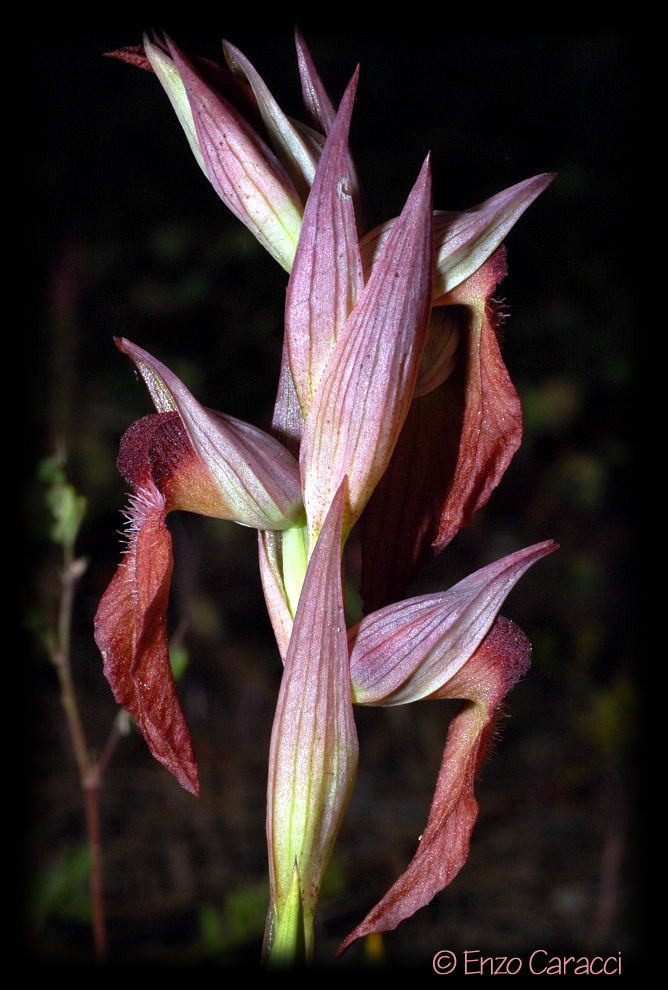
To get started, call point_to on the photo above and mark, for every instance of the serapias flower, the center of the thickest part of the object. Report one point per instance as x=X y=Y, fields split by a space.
x=184 y=457
x=243 y=169
x=448 y=645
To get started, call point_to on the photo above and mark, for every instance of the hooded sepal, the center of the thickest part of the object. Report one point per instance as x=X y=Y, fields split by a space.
x=232 y=88
x=500 y=660
x=243 y=170
x=463 y=241
x=130 y=632
x=366 y=387
x=253 y=479
x=313 y=752
x=409 y=650
x=326 y=277
x=296 y=154
x=170 y=80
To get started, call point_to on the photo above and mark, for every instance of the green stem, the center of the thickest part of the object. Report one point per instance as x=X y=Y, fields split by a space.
x=295 y=559
x=88 y=770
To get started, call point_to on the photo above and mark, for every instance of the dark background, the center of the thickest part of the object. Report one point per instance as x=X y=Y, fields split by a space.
x=125 y=236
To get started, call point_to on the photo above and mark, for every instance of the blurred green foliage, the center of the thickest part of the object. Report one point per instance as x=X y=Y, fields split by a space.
x=238 y=921
x=61 y=891
x=65 y=505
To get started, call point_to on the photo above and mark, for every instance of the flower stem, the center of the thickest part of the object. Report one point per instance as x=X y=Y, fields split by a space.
x=89 y=773
x=295 y=559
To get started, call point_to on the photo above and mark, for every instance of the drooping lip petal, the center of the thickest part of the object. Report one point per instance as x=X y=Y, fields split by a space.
x=255 y=474
x=366 y=387
x=130 y=632
x=410 y=650
x=500 y=660
x=313 y=753
x=491 y=429
x=326 y=277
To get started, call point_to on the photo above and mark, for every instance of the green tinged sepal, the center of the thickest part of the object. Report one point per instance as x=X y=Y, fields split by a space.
x=297 y=155
x=236 y=470
x=170 y=80
x=314 y=749
x=366 y=387
x=289 y=938
x=244 y=171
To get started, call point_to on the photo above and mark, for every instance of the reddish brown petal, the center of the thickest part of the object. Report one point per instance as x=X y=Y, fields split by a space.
x=130 y=631
x=157 y=448
x=443 y=848
x=133 y=55
x=454 y=448
x=492 y=425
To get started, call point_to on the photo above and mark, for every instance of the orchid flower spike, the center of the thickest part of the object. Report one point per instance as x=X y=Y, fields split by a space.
x=394 y=411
